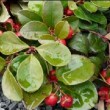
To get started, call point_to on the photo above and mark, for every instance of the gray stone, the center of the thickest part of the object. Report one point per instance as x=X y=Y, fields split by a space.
x=3 y=105
x=13 y=106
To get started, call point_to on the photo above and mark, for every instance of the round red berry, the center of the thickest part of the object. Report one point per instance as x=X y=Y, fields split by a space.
x=51 y=100
x=71 y=33
x=62 y=41
x=104 y=73
x=10 y=21
x=17 y=26
x=18 y=34
x=66 y=101
x=68 y=12
x=108 y=80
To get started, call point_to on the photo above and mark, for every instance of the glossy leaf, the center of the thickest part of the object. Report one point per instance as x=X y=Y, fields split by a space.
x=80 y=13
x=2 y=63
x=10 y=43
x=79 y=69
x=25 y=16
x=16 y=62
x=62 y=29
x=10 y=87
x=80 y=43
x=55 y=53
x=85 y=95
x=33 y=100
x=90 y=7
x=36 y=6
x=47 y=37
x=96 y=43
x=30 y=74
x=72 y=5
x=52 y=12
x=4 y=15
x=33 y=30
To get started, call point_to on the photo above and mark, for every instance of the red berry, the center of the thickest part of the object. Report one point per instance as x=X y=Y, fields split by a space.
x=52 y=72
x=68 y=12
x=62 y=41
x=51 y=100
x=1 y=32
x=10 y=21
x=71 y=32
x=108 y=80
x=66 y=101
x=18 y=34
x=17 y=26
x=53 y=78
x=104 y=73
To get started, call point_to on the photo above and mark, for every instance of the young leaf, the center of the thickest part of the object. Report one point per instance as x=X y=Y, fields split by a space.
x=79 y=70
x=33 y=30
x=52 y=12
x=2 y=63
x=85 y=95
x=80 y=43
x=25 y=16
x=10 y=43
x=30 y=74
x=10 y=87
x=62 y=29
x=90 y=7
x=34 y=99
x=97 y=45
x=55 y=53
x=4 y=15
x=72 y=5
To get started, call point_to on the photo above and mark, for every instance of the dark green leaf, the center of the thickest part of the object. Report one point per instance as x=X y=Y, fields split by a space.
x=25 y=16
x=10 y=43
x=80 y=43
x=33 y=100
x=2 y=63
x=30 y=74
x=52 y=12
x=33 y=30
x=55 y=53
x=62 y=29
x=79 y=70
x=85 y=95
x=10 y=87
x=96 y=44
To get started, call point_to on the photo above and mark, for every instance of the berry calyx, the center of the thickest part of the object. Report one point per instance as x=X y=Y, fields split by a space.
x=62 y=41
x=68 y=12
x=51 y=100
x=71 y=32
x=104 y=73
x=66 y=101
x=108 y=80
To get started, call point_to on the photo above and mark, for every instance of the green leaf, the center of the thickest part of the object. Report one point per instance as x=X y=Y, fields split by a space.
x=2 y=63
x=30 y=74
x=85 y=95
x=72 y=5
x=101 y=4
x=80 y=43
x=80 y=13
x=33 y=30
x=10 y=87
x=55 y=53
x=52 y=12
x=97 y=45
x=87 y=26
x=79 y=69
x=4 y=15
x=25 y=16
x=33 y=100
x=62 y=29
x=47 y=37
x=16 y=62
x=10 y=43
x=36 y=6
x=90 y=7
